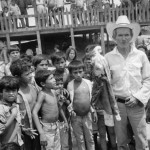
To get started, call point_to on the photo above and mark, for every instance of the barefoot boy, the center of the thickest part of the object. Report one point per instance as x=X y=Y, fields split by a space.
x=10 y=119
x=47 y=126
x=21 y=69
x=80 y=107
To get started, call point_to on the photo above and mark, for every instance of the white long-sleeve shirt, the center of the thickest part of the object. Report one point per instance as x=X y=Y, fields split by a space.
x=130 y=76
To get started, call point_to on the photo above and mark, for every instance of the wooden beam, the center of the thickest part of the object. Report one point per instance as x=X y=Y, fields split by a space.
x=72 y=37
x=39 y=51
x=102 y=39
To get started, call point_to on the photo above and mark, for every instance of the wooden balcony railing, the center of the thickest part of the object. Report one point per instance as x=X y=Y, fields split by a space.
x=74 y=19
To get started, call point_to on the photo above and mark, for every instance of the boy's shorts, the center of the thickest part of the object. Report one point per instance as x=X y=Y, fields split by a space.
x=52 y=134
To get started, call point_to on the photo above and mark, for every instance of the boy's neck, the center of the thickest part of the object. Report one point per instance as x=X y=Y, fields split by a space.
x=6 y=103
x=76 y=81
x=47 y=90
x=24 y=87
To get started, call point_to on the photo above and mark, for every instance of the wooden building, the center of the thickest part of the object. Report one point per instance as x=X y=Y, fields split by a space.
x=68 y=23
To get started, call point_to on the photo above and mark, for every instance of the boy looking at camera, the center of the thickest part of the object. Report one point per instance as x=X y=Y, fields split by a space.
x=80 y=108
x=10 y=119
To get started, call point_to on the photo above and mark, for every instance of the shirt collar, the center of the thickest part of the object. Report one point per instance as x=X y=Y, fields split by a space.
x=133 y=49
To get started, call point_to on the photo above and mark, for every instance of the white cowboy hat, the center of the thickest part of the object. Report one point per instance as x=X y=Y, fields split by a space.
x=123 y=22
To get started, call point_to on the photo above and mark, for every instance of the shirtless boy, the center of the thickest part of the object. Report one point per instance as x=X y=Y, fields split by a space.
x=21 y=69
x=80 y=107
x=47 y=126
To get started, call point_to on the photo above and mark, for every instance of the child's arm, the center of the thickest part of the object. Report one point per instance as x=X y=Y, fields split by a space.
x=70 y=108
x=12 y=117
x=64 y=118
x=36 y=109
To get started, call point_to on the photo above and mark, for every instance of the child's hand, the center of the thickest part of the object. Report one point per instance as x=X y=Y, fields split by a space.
x=73 y=113
x=94 y=116
x=30 y=132
x=3 y=119
x=66 y=126
x=43 y=140
x=118 y=118
x=2 y=128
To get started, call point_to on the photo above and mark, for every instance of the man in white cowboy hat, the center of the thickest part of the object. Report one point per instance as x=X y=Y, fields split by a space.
x=130 y=79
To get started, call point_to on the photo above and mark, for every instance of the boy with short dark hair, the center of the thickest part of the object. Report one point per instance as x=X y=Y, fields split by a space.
x=63 y=101
x=21 y=69
x=59 y=61
x=47 y=104
x=39 y=62
x=10 y=119
x=80 y=108
x=14 y=54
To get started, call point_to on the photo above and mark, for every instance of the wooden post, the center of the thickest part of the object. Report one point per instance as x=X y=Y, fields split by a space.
x=19 y=44
x=39 y=42
x=102 y=39
x=107 y=43
x=72 y=37
x=8 y=40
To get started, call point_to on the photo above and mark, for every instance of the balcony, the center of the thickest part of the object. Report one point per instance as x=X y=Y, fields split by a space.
x=72 y=22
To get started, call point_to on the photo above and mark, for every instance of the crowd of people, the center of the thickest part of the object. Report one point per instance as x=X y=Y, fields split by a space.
x=46 y=101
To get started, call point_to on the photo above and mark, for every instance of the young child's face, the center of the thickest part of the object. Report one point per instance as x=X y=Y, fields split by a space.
x=97 y=71
x=13 y=2
x=61 y=64
x=27 y=75
x=78 y=74
x=10 y=95
x=50 y=82
x=5 y=10
x=43 y=65
x=14 y=55
x=59 y=84
x=72 y=54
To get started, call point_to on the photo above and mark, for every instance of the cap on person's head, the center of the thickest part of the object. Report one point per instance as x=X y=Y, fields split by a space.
x=123 y=22
x=13 y=48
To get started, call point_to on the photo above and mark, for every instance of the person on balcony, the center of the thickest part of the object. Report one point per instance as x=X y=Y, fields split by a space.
x=15 y=10
x=23 y=5
x=41 y=6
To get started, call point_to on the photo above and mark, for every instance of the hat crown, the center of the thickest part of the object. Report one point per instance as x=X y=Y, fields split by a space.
x=122 y=20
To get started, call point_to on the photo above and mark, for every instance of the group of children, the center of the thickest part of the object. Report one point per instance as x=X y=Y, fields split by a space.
x=41 y=107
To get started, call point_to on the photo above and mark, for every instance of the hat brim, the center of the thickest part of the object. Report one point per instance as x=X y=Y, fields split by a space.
x=110 y=27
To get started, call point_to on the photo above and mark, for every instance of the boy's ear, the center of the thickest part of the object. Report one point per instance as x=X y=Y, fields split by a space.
x=42 y=84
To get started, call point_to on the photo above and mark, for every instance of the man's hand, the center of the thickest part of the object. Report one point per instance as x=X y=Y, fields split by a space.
x=94 y=116
x=132 y=102
x=43 y=140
